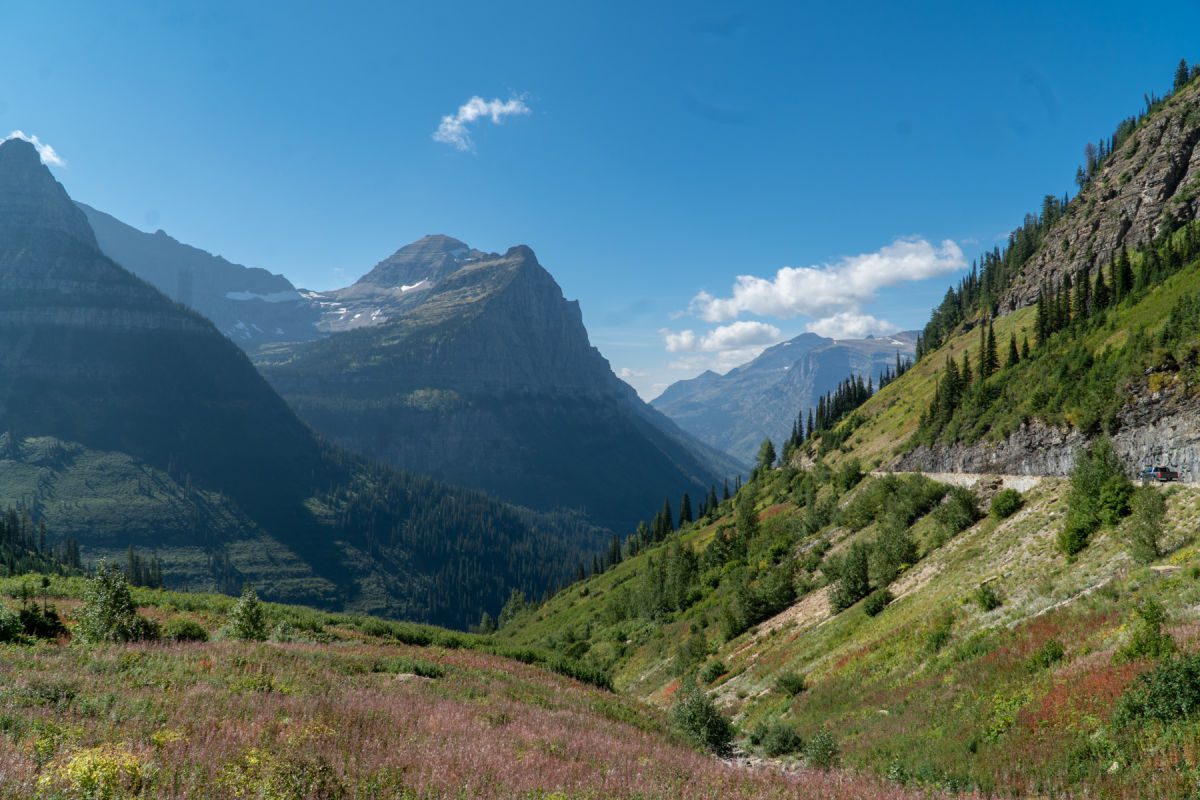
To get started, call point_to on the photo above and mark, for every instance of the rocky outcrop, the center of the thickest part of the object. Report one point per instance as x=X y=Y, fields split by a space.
x=1158 y=428
x=1151 y=182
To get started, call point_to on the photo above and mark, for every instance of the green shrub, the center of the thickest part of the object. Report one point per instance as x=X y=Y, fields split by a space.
x=184 y=629
x=987 y=597
x=1149 y=640
x=10 y=625
x=696 y=717
x=248 y=619
x=1050 y=653
x=877 y=601
x=938 y=635
x=108 y=613
x=1100 y=494
x=1169 y=692
x=791 y=683
x=821 y=751
x=41 y=622
x=712 y=670
x=957 y=512
x=849 y=576
x=1144 y=532
x=781 y=740
x=1006 y=503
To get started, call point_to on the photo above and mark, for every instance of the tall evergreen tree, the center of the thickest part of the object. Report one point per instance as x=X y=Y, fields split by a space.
x=685 y=510
x=1182 y=74
x=1100 y=296
x=991 y=360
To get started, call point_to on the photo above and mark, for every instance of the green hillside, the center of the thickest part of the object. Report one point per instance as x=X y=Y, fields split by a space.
x=1036 y=639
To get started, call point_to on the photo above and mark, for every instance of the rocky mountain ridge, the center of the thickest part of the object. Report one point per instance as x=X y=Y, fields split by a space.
x=1150 y=184
x=488 y=379
x=758 y=400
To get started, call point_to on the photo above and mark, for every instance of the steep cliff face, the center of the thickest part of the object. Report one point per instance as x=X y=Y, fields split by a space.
x=251 y=306
x=759 y=400
x=490 y=381
x=1150 y=184
x=1157 y=428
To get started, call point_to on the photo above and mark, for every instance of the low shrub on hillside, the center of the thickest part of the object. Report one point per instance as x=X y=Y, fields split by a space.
x=780 y=739
x=1169 y=692
x=957 y=512
x=1100 y=495
x=987 y=597
x=1049 y=654
x=821 y=751
x=1143 y=534
x=1149 y=640
x=184 y=629
x=1006 y=503
x=697 y=717
x=877 y=601
x=109 y=614
x=248 y=619
x=712 y=670
x=790 y=683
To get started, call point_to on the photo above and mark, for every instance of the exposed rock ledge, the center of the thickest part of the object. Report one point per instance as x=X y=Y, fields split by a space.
x=1162 y=428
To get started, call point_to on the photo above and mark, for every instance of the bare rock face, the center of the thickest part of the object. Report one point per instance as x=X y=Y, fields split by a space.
x=399 y=283
x=1152 y=182
x=1158 y=428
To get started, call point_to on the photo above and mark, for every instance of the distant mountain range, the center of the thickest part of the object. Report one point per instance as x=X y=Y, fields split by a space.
x=127 y=419
x=759 y=400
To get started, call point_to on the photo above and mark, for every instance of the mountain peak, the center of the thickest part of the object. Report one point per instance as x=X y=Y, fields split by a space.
x=31 y=200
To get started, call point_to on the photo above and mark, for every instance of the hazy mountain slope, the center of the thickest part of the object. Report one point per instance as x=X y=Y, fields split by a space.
x=131 y=419
x=489 y=380
x=758 y=400
x=249 y=305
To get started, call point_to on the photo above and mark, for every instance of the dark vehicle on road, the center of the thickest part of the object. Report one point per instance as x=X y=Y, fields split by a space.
x=1161 y=474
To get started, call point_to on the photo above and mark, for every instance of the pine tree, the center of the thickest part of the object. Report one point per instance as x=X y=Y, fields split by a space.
x=1100 y=296
x=766 y=455
x=991 y=360
x=685 y=510
x=965 y=375
x=1025 y=348
x=668 y=516
x=726 y=495
x=1014 y=356
x=1181 y=74
x=1083 y=295
x=1122 y=276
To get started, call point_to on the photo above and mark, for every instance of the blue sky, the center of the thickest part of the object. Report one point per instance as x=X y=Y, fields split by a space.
x=650 y=153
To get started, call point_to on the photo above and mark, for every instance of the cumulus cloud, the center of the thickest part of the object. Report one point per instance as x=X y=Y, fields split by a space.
x=627 y=374
x=736 y=336
x=820 y=291
x=851 y=325
x=49 y=155
x=453 y=129
x=720 y=349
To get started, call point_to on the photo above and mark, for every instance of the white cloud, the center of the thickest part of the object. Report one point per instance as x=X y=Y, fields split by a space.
x=823 y=290
x=49 y=155
x=453 y=128
x=627 y=374
x=736 y=336
x=851 y=325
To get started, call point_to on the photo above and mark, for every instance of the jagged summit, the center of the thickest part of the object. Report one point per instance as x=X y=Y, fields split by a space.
x=32 y=201
x=430 y=259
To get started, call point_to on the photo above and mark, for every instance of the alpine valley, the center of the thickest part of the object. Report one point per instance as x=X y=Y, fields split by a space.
x=959 y=562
